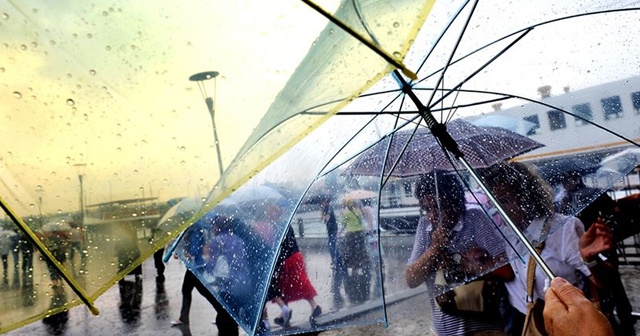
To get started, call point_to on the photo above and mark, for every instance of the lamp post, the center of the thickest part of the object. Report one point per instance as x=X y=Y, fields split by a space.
x=199 y=78
x=80 y=167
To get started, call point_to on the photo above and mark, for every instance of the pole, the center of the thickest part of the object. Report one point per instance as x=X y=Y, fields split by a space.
x=80 y=179
x=210 y=105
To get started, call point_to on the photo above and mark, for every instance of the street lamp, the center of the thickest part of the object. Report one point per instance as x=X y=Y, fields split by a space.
x=80 y=167
x=199 y=78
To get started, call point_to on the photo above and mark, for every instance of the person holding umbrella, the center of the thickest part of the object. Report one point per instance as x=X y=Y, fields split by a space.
x=568 y=249
x=448 y=228
x=604 y=209
x=194 y=242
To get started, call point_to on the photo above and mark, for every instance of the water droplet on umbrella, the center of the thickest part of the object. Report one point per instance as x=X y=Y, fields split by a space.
x=396 y=24
x=108 y=48
x=23 y=47
x=92 y=72
x=70 y=102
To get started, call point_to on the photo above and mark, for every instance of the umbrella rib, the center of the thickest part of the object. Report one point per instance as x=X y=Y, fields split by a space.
x=603 y=128
x=524 y=31
x=48 y=256
x=453 y=52
x=364 y=41
x=473 y=74
x=439 y=39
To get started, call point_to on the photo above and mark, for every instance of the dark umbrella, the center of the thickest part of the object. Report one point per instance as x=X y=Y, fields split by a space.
x=416 y=151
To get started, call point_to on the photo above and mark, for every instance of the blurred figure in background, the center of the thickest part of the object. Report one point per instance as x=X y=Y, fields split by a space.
x=612 y=295
x=337 y=265
x=355 y=254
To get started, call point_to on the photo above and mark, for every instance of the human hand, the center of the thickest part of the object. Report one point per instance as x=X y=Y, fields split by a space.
x=595 y=240
x=568 y=312
x=476 y=260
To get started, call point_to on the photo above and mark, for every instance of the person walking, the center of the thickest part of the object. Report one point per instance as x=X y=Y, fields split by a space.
x=337 y=265
x=194 y=240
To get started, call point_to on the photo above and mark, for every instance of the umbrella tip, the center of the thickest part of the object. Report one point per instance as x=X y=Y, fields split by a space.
x=408 y=72
x=94 y=310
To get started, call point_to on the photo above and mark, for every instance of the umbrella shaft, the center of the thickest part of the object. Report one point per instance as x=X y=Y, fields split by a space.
x=534 y=254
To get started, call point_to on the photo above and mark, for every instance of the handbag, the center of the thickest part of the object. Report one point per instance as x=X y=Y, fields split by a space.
x=534 y=320
x=479 y=298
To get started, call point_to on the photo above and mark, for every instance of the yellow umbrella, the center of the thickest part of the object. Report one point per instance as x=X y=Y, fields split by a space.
x=100 y=122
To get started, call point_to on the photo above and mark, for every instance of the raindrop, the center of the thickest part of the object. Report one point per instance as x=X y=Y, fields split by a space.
x=108 y=48
x=2 y=69
x=17 y=94
x=52 y=42
x=105 y=13
x=396 y=24
x=183 y=148
x=119 y=149
x=70 y=102
x=39 y=188
x=92 y=72
x=69 y=75
x=23 y=47
x=34 y=44
x=32 y=206
x=397 y=54
x=135 y=171
x=89 y=35
x=5 y=16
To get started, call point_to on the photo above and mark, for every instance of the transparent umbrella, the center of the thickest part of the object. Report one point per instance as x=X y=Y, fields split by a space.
x=474 y=56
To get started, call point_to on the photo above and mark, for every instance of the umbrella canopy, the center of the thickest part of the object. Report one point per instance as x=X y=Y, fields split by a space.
x=475 y=55
x=120 y=102
x=116 y=101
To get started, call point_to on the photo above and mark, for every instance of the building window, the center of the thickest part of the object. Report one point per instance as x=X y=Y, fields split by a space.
x=556 y=120
x=583 y=113
x=408 y=191
x=536 y=124
x=635 y=100
x=612 y=107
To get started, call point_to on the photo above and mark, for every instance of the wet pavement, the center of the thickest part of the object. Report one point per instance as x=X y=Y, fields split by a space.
x=146 y=307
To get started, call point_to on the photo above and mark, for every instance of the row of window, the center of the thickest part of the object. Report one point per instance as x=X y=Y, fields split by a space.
x=611 y=108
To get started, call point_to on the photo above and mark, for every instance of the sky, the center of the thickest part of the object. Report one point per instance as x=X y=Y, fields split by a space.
x=106 y=84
